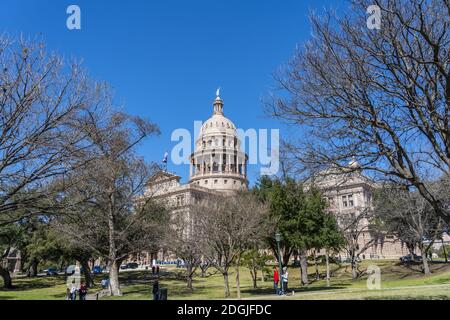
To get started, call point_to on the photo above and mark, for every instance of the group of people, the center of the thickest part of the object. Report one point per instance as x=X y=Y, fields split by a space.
x=155 y=269
x=284 y=281
x=72 y=291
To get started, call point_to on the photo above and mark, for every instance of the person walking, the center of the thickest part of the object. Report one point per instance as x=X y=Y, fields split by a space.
x=155 y=290
x=83 y=291
x=284 y=280
x=68 y=295
x=276 y=279
x=105 y=283
x=73 y=291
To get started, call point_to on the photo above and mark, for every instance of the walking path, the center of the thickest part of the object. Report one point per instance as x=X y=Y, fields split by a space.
x=97 y=295
x=337 y=291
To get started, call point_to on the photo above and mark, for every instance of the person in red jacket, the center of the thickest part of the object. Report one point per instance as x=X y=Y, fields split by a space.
x=83 y=291
x=276 y=279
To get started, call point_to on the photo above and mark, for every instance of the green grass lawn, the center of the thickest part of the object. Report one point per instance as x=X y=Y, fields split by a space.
x=397 y=282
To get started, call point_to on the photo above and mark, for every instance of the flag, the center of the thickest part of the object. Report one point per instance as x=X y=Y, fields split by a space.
x=166 y=155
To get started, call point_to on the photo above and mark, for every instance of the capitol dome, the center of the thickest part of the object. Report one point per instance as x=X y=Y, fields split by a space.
x=218 y=162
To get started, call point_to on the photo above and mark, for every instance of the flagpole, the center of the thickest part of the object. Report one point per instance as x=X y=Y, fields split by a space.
x=166 y=155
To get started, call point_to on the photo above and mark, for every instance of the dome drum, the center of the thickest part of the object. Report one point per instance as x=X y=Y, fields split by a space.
x=218 y=162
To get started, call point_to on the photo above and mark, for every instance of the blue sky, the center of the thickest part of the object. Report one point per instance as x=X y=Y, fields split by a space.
x=165 y=59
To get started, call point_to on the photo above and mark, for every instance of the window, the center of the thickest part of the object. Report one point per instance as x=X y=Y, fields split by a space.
x=350 y=200
x=347 y=201
x=225 y=181
x=344 y=201
x=180 y=200
x=215 y=181
x=206 y=181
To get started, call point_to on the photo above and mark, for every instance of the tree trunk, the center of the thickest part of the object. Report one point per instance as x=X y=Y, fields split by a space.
x=114 y=287
x=189 y=276
x=87 y=273
x=225 y=281
x=254 y=275
x=426 y=268
x=4 y=273
x=238 y=284
x=33 y=269
x=286 y=256
x=354 y=268
x=114 y=264
x=410 y=248
x=316 y=266
x=327 y=261
x=445 y=251
x=189 y=282
x=304 y=268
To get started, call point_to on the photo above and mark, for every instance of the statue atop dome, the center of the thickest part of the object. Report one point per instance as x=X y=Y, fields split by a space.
x=218 y=104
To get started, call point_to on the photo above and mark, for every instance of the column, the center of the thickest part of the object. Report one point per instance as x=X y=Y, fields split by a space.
x=210 y=163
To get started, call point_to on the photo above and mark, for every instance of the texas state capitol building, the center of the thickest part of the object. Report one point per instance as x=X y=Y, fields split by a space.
x=219 y=166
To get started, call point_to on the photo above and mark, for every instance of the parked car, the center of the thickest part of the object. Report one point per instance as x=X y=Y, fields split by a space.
x=124 y=266
x=71 y=269
x=97 y=269
x=51 y=271
x=132 y=265
x=411 y=258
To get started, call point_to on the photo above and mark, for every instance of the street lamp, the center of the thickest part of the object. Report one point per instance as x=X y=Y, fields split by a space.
x=278 y=239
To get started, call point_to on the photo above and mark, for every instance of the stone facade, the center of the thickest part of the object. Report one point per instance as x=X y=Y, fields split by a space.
x=349 y=194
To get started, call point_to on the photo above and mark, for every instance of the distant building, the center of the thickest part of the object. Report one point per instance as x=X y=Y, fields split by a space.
x=349 y=195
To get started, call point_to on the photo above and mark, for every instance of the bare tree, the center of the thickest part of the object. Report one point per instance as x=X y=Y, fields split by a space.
x=353 y=226
x=41 y=99
x=104 y=203
x=184 y=242
x=381 y=96
x=229 y=225
x=410 y=218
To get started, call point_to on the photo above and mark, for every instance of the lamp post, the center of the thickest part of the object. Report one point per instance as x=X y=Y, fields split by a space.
x=278 y=239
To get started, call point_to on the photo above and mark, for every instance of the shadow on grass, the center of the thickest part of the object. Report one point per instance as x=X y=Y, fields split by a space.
x=34 y=283
x=270 y=291
x=438 y=297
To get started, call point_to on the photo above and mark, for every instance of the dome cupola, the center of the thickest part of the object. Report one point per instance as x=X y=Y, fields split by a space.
x=218 y=162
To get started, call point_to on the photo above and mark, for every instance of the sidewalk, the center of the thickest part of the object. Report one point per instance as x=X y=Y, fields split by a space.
x=337 y=291
x=97 y=295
